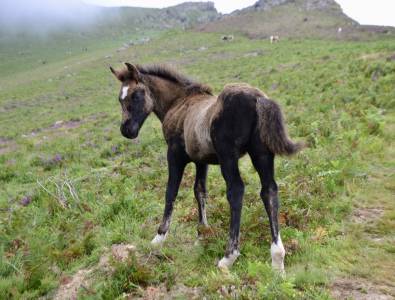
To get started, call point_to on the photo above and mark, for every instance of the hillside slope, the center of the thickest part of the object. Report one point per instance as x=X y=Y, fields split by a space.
x=71 y=187
x=27 y=47
x=294 y=18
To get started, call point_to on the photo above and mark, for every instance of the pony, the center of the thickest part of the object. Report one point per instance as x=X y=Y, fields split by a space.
x=204 y=129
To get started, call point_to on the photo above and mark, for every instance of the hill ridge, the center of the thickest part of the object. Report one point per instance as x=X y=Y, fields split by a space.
x=294 y=19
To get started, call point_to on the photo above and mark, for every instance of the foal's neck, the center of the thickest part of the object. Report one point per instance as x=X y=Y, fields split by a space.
x=165 y=94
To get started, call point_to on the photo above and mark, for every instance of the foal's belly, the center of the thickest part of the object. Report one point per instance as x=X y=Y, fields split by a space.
x=197 y=124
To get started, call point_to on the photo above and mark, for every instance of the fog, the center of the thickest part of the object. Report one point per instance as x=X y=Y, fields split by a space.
x=44 y=16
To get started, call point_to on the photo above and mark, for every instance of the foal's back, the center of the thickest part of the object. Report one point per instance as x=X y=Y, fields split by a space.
x=234 y=109
x=234 y=112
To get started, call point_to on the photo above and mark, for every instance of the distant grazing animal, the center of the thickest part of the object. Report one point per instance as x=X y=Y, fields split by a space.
x=228 y=38
x=205 y=129
x=274 y=39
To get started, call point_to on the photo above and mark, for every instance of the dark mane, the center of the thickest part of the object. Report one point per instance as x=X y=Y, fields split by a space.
x=168 y=73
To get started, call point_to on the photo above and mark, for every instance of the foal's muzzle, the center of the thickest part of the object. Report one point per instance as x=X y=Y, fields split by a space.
x=130 y=130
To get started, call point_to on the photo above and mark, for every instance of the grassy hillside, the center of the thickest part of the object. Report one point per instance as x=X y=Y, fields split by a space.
x=71 y=186
x=27 y=47
x=295 y=19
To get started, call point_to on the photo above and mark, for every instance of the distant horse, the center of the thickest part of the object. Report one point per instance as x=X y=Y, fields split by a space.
x=274 y=39
x=205 y=129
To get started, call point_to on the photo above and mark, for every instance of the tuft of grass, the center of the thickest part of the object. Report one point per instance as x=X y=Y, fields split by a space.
x=127 y=277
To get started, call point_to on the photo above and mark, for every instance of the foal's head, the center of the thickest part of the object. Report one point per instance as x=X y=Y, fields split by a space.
x=135 y=100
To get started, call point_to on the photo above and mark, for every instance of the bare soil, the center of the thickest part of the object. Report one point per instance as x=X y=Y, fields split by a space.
x=359 y=289
x=69 y=286
x=367 y=215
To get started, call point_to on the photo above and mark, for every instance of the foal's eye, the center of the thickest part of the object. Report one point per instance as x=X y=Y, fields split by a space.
x=138 y=96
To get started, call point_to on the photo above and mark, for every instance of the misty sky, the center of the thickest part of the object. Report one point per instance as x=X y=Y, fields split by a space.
x=47 y=14
x=374 y=12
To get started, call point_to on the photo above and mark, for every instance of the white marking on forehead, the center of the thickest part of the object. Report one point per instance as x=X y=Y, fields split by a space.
x=124 y=92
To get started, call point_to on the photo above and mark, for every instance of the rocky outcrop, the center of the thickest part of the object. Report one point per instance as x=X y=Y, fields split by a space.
x=191 y=13
x=322 y=19
x=264 y=5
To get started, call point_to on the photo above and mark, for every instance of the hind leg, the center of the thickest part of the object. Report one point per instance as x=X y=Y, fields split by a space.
x=234 y=193
x=201 y=192
x=263 y=161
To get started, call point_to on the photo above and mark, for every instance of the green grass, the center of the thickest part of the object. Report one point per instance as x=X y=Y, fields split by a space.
x=90 y=188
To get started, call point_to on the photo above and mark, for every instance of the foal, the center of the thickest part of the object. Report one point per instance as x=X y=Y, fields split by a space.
x=205 y=129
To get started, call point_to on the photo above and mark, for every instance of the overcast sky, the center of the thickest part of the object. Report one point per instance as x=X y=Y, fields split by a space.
x=376 y=12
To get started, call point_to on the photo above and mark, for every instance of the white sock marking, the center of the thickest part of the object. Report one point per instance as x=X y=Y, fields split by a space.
x=159 y=239
x=124 y=92
x=227 y=262
x=278 y=252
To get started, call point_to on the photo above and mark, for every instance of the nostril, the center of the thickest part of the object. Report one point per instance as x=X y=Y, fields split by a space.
x=135 y=127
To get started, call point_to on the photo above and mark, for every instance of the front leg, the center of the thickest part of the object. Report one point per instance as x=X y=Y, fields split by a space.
x=177 y=161
x=201 y=192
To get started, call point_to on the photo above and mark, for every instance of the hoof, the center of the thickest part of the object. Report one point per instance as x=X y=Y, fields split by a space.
x=159 y=239
x=227 y=261
x=278 y=253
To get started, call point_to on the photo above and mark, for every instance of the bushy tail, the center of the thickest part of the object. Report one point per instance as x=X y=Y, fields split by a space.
x=272 y=128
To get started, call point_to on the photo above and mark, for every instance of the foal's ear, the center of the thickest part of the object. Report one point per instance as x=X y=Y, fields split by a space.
x=117 y=74
x=133 y=71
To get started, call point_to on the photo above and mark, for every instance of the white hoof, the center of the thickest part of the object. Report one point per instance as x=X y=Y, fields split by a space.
x=278 y=253
x=227 y=262
x=159 y=239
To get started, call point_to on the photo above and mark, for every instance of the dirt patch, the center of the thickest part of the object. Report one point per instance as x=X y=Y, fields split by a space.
x=367 y=215
x=359 y=289
x=121 y=252
x=254 y=53
x=372 y=56
x=60 y=126
x=4 y=141
x=178 y=291
x=391 y=57
x=66 y=124
x=7 y=145
x=69 y=286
